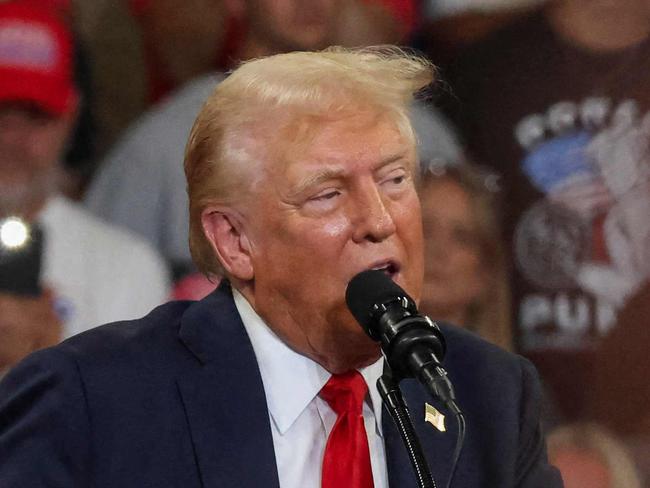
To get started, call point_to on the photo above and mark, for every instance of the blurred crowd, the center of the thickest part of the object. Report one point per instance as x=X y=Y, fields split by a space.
x=534 y=151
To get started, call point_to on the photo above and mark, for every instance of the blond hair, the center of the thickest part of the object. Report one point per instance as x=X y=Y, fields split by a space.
x=595 y=439
x=255 y=105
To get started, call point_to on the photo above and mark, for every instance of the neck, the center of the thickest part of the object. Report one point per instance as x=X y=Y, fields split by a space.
x=599 y=26
x=343 y=350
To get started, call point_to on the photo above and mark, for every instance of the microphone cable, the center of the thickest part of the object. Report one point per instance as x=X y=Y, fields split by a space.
x=460 y=440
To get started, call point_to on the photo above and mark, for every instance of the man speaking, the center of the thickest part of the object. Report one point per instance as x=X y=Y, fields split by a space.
x=301 y=173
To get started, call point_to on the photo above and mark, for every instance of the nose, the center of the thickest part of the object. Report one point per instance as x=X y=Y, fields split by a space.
x=373 y=219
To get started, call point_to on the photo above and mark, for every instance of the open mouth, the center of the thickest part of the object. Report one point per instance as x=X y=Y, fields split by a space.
x=390 y=268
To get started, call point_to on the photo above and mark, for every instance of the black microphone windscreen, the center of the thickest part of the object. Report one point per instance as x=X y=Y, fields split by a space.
x=368 y=289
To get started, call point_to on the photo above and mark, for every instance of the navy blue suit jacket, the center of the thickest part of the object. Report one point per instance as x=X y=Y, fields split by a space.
x=175 y=399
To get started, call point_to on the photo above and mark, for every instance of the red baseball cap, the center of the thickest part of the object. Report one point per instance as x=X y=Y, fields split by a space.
x=36 y=58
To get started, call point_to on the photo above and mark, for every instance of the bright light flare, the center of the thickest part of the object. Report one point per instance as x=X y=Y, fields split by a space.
x=14 y=233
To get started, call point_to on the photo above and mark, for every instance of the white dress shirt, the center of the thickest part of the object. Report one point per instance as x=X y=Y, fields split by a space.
x=300 y=420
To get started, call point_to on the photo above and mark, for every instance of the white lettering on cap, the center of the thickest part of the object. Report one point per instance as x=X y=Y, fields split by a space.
x=27 y=46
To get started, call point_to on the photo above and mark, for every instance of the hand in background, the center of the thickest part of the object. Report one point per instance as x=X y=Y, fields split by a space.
x=26 y=325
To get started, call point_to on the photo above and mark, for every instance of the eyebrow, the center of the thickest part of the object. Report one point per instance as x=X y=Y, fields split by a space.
x=326 y=174
x=390 y=159
x=316 y=179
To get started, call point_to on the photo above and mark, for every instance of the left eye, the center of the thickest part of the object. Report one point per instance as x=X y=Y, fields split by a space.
x=327 y=196
x=396 y=178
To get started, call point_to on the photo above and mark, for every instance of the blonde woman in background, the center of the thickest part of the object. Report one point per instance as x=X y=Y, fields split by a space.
x=587 y=455
x=466 y=280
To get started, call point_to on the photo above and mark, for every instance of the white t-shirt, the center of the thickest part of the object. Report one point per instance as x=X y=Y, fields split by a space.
x=97 y=272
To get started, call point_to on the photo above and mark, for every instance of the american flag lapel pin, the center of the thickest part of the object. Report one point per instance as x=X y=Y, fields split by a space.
x=434 y=417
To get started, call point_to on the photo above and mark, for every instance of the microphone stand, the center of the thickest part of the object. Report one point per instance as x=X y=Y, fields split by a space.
x=394 y=402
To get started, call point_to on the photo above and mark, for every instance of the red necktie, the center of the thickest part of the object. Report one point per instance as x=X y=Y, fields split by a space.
x=346 y=463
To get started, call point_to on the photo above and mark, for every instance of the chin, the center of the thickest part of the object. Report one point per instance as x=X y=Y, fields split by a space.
x=349 y=348
x=343 y=363
x=412 y=286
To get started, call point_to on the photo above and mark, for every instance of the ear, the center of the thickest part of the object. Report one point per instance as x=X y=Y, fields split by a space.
x=224 y=228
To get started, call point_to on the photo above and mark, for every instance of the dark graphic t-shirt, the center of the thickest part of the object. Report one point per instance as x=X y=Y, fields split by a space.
x=568 y=129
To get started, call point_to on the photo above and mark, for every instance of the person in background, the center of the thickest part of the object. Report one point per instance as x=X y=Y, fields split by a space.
x=465 y=274
x=589 y=456
x=81 y=153
x=147 y=43
x=140 y=184
x=557 y=102
x=375 y=22
x=443 y=35
x=619 y=393
x=89 y=271
x=182 y=40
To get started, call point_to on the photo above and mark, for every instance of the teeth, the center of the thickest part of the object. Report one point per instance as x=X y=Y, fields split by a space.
x=388 y=269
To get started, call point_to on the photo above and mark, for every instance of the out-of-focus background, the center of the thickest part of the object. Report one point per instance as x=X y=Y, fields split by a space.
x=535 y=178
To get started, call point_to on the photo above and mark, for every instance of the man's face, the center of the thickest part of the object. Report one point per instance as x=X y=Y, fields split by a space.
x=330 y=205
x=31 y=142
x=292 y=25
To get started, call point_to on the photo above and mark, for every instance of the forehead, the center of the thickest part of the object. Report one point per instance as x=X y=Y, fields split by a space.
x=28 y=118
x=445 y=200
x=443 y=190
x=344 y=140
x=284 y=6
x=24 y=108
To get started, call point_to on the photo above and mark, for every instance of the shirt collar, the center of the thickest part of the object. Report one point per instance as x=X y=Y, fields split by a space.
x=371 y=374
x=291 y=380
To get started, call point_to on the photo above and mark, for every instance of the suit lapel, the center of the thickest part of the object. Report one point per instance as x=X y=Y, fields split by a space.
x=224 y=398
x=226 y=410
x=437 y=446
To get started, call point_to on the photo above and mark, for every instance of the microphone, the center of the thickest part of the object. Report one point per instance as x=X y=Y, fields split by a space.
x=412 y=344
